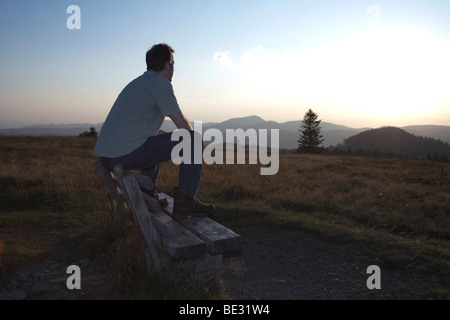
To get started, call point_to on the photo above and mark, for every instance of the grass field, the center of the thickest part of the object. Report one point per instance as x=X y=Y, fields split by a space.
x=52 y=204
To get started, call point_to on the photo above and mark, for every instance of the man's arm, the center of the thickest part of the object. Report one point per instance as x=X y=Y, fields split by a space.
x=180 y=121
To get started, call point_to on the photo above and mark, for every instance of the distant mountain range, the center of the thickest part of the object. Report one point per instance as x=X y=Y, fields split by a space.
x=396 y=141
x=52 y=129
x=289 y=134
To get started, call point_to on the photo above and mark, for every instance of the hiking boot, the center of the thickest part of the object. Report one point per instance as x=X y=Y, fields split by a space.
x=186 y=206
x=163 y=202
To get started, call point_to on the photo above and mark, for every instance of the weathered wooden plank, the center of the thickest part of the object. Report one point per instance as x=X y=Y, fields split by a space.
x=164 y=222
x=119 y=174
x=218 y=239
x=179 y=242
x=145 y=182
x=111 y=184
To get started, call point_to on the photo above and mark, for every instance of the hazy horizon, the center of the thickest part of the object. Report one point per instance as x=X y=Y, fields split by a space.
x=355 y=63
x=5 y=125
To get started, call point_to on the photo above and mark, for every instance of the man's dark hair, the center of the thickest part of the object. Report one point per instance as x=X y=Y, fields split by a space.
x=158 y=55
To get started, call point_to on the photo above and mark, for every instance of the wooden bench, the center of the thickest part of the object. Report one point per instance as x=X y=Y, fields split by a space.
x=192 y=247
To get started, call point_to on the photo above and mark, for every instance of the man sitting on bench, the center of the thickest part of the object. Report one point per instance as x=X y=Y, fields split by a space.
x=131 y=134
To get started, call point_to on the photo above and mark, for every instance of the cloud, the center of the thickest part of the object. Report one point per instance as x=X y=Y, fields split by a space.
x=253 y=53
x=223 y=58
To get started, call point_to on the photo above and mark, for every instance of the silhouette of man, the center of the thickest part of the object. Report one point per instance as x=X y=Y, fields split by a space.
x=132 y=137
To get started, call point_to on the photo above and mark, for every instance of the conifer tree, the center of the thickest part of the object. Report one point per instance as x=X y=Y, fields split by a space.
x=310 y=137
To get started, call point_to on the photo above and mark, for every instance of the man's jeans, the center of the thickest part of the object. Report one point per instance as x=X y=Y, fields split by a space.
x=155 y=150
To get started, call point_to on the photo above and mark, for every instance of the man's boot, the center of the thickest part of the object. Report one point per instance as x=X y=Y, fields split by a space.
x=185 y=206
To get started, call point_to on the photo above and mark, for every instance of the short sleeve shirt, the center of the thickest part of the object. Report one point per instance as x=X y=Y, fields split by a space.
x=136 y=115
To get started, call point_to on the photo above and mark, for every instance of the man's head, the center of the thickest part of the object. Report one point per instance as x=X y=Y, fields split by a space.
x=160 y=59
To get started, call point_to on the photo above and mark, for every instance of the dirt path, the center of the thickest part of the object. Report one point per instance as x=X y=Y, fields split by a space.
x=47 y=281
x=306 y=268
x=270 y=268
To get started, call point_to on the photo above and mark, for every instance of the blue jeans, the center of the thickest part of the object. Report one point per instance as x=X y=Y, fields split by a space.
x=155 y=150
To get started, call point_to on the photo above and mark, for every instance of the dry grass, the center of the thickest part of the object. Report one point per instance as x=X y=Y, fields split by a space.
x=44 y=184
x=393 y=209
x=50 y=195
x=54 y=206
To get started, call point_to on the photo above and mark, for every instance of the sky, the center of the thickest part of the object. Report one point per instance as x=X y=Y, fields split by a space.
x=354 y=62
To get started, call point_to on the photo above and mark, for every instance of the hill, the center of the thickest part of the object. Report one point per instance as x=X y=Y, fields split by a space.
x=333 y=133
x=392 y=140
x=433 y=131
x=289 y=134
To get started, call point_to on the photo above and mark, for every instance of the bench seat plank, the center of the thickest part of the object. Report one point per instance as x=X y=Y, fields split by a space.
x=218 y=239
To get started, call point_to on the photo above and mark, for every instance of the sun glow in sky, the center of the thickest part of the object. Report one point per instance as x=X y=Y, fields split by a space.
x=382 y=73
x=355 y=63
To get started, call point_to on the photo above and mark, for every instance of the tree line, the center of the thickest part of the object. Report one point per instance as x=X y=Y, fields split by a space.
x=91 y=133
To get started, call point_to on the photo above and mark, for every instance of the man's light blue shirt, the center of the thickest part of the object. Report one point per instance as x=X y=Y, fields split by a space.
x=136 y=115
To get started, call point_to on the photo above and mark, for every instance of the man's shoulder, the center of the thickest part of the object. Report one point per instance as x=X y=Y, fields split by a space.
x=152 y=75
x=146 y=80
x=151 y=79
